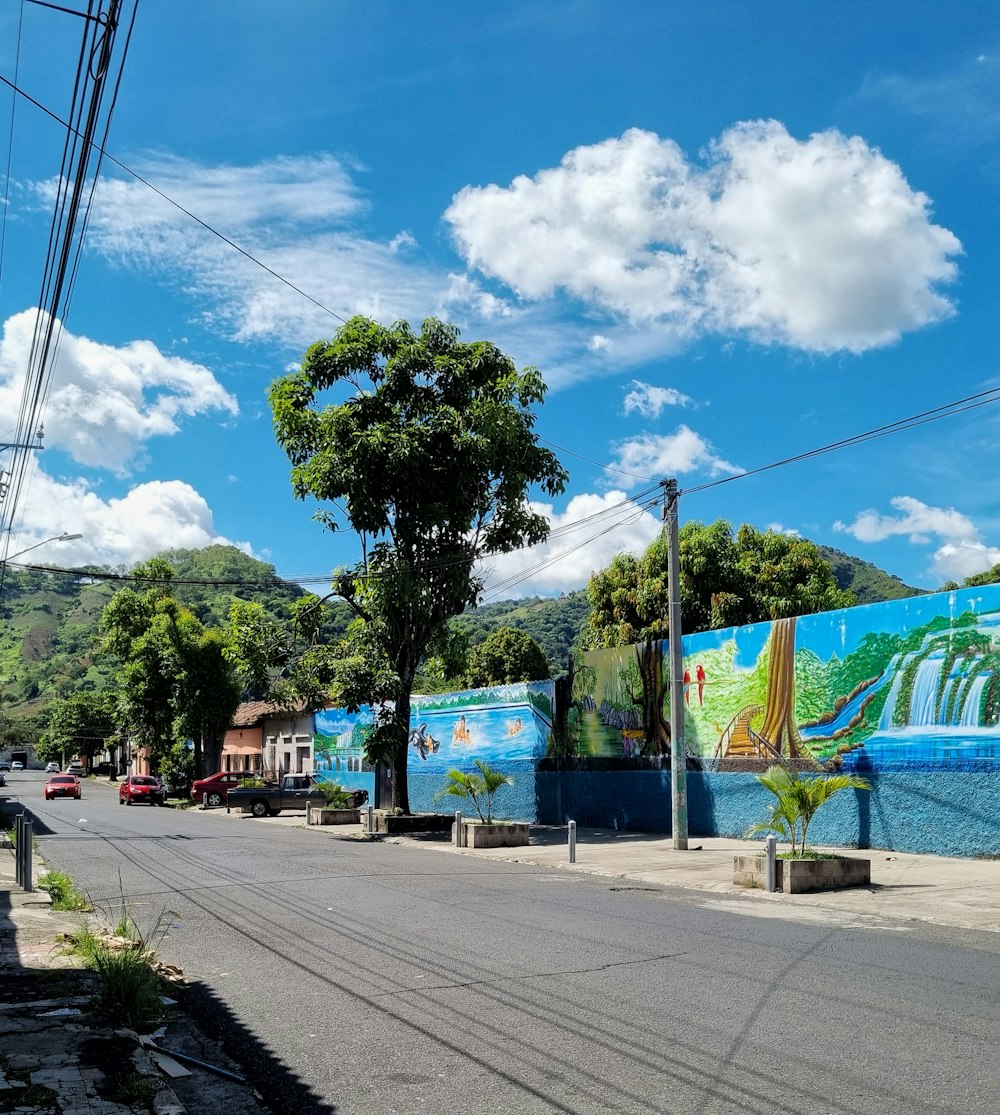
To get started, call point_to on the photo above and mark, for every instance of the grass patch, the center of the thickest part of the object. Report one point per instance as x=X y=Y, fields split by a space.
x=808 y=855
x=64 y=895
x=129 y=993
x=130 y=1088
x=34 y=1097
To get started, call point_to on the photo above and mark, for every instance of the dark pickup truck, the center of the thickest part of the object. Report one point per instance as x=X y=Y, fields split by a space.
x=294 y=791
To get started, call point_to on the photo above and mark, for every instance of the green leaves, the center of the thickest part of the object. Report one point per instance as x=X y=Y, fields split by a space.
x=424 y=446
x=479 y=788
x=726 y=580
x=798 y=799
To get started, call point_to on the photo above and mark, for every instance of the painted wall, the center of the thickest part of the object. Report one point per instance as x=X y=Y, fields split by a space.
x=906 y=693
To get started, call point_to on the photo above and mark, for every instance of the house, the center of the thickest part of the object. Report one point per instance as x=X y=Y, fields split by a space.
x=267 y=737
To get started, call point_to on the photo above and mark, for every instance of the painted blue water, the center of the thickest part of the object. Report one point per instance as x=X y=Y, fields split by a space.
x=506 y=733
x=970 y=710
x=925 y=685
x=843 y=717
x=936 y=746
x=885 y=723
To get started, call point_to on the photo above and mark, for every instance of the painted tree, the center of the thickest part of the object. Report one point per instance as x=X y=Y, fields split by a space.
x=428 y=452
x=779 y=726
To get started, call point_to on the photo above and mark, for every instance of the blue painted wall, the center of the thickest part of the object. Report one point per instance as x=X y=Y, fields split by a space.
x=955 y=813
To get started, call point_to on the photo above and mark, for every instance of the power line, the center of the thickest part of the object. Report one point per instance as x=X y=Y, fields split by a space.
x=177 y=205
x=945 y=410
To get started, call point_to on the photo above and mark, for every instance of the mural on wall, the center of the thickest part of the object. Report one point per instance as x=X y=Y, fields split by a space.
x=903 y=684
x=503 y=723
x=339 y=742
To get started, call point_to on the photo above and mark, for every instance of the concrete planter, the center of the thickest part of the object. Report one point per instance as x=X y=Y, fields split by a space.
x=391 y=824
x=505 y=834
x=797 y=876
x=321 y=815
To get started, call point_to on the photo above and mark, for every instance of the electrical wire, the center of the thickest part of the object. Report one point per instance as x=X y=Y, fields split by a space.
x=180 y=208
x=10 y=144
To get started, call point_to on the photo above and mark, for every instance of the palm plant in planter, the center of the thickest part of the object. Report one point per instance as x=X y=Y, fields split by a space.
x=797 y=801
x=477 y=788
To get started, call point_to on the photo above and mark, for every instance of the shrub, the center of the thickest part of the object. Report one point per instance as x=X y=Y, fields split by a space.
x=797 y=801
x=477 y=788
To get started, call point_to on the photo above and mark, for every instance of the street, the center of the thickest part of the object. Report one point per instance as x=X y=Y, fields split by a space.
x=363 y=976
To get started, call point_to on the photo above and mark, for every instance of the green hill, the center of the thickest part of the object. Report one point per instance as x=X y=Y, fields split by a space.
x=868 y=583
x=48 y=640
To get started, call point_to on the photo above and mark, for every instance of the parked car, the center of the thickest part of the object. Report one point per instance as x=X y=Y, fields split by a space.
x=4 y=764
x=63 y=786
x=17 y=765
x=294 y=791
x=217 y=786
x=140 y=787
x=51 y=768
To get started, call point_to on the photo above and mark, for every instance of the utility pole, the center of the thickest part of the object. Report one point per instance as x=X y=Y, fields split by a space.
x=678 y=750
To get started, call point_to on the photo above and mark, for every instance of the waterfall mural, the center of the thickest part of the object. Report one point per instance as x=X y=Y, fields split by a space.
x=903 y=685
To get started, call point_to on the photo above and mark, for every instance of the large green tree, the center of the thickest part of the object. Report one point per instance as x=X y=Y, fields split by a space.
x=173 y=677
x=727 y=579
x=507 y=655
x=426 y=449
x=82 y=724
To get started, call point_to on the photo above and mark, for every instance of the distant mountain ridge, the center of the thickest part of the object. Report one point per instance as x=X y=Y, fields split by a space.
x=868 y=583
x=48 y=640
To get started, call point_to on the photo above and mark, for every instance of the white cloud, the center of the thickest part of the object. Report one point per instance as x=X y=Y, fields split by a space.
x=583 y=539
x=961 y=554
x=106 y=402
x=779 y=528
x=123 y=529
x=818 y=244
x=650 y=400
x=656 y=455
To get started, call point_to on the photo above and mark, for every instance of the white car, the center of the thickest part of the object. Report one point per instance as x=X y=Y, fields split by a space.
x=17 y=765
x=51 y=768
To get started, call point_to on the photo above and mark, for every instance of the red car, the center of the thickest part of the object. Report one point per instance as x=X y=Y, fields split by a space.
x=140 y=787
x=63 y=786
x=217 y=786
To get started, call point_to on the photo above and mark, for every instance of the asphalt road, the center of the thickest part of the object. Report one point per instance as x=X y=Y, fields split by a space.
x=362 y=977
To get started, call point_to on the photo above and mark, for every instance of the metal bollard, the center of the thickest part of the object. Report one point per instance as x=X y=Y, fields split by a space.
x=371 y=818
x=18 y=845
x=204 y=801
x=572 y=841
x=771 y=849
x=458 y=828
x=29 y=838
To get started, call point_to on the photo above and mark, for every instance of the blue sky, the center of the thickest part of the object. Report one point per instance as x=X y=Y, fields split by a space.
x=726 y=233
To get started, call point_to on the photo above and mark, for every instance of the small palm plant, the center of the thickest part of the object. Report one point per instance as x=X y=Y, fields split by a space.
x=797 y=801
x=477 y=788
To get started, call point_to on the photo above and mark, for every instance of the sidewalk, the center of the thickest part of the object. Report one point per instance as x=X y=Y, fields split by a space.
x=964 y=893
x=56 y=1056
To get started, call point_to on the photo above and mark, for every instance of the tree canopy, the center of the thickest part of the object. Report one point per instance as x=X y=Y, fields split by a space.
x=508 y=655
x=427 y=451
x=726 y=580
x=173 y=678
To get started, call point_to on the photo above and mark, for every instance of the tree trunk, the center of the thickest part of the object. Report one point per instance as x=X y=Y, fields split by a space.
x=407 y=667
x=779 y=727
x=211 y=751
x=650 y=660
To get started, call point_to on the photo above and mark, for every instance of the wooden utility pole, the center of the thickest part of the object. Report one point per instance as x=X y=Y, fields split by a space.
x=678 y=750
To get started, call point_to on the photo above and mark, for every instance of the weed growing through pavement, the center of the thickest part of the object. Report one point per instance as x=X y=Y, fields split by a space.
x=131 y=1088
x=64 y=895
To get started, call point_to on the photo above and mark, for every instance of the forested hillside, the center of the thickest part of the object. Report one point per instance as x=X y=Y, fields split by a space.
x=868 y=583
x=48 y=641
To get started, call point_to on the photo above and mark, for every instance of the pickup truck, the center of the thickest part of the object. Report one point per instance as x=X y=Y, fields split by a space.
x=294 y=791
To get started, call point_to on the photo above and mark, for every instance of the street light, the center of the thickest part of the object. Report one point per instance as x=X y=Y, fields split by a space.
x=45 y=541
